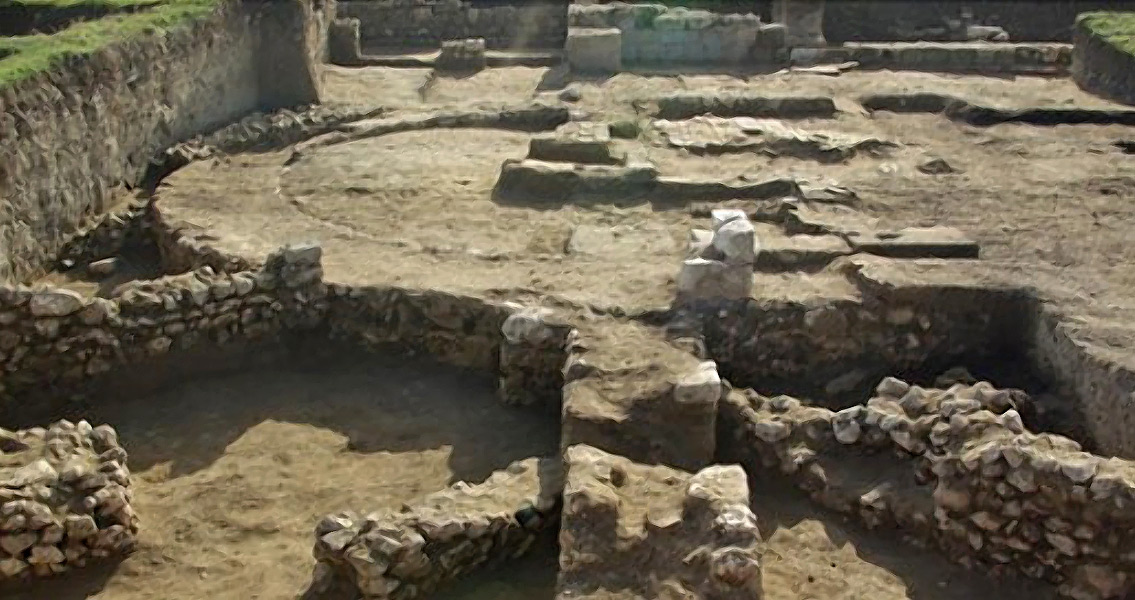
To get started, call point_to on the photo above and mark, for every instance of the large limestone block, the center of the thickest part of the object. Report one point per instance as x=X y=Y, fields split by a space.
x=594 y=50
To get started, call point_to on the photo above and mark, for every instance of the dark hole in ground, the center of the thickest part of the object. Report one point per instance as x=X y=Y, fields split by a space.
x=21 y=19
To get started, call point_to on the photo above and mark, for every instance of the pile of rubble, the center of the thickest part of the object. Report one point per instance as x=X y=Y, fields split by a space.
x=64 y=499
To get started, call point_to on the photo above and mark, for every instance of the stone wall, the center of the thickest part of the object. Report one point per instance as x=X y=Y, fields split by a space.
x=835 y=351
x=957 y=467
x=654 y=33
x=447 y=534
x=68 y=503
x=427 y=23
x=886 y=20
x=83 y=128
x=1100 y=67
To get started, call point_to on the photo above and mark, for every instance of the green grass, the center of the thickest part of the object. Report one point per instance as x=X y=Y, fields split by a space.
x=34 y=54
x=1118 y=28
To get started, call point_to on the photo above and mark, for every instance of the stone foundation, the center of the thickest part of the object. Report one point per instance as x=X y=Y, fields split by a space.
x=655 y=531
x=406 y=555
x=427 y=23
x=657 y=34
x=65 y=499
x=976 y=482
x=594 y=50
x=461 y=56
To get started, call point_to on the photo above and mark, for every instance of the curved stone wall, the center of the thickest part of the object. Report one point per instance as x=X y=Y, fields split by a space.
x=84 y=128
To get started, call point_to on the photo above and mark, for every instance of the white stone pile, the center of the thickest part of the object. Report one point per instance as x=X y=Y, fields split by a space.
x=720 y=262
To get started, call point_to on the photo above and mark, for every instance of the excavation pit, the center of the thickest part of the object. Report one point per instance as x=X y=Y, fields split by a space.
x=235 y=453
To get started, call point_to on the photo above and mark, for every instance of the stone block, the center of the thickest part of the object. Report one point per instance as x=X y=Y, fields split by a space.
x=577 y=142
x=532 y=357
x=803 y=21
x=649 y=415
x=594 y=51
x=917 y=242
x=343 y=42
x=461 y=56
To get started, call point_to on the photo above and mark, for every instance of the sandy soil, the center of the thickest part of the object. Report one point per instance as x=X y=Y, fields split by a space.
x=231 y=473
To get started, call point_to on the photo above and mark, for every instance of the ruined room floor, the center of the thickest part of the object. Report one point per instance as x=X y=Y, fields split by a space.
x=415 y=209
x=231 y=472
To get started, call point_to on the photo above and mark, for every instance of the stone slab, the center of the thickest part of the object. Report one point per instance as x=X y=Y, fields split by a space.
x=917 y=242
x=594 y=50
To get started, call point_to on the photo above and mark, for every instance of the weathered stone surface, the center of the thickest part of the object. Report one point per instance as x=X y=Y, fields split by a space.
x=651 y=528
x=594 y=50
x=579 y=142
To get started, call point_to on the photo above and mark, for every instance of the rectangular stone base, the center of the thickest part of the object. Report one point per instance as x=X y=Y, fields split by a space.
x=594 y=51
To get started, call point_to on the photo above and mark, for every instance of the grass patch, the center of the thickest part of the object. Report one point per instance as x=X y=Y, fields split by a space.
x=1117 y=28
x=32 y=54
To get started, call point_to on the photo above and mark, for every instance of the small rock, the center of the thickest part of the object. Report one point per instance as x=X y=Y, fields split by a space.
x=846 y=432
x=936 y=166
x=103 y=268
x=894 y=388
x=55 y=303
x=570 y=93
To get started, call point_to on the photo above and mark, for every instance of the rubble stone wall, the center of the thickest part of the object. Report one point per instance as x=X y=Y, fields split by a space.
x=654 y=33
x=69 y=503
x=1105 y=389
x=86 y=127
x=1100 y=67
x=977 y=482
x=427 y=23
x=839 y=349
x=882 y=20
x=445 y=535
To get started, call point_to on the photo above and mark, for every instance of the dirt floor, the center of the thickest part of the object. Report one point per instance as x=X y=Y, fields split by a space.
x=230 y=473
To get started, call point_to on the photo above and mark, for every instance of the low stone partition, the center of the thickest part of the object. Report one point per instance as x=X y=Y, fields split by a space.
x=583 y=142
x=962 y=471
x=978 y=115
x=1034 y=58
x=65 y=499
x=656 y=532
x=56 y=339
x=657 y=34
x=684 y=105
x=427 y=23
x=546 y=183
x=1103 y=62
x=408 y=554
